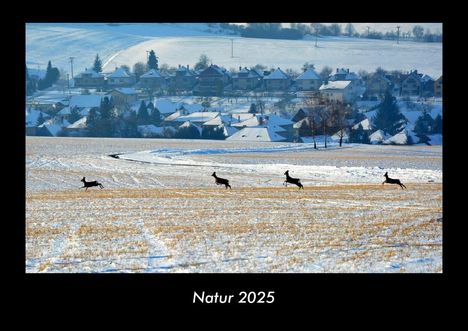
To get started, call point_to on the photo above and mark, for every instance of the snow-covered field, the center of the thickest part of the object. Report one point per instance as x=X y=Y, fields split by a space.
x=184 y=43
x=160 y=210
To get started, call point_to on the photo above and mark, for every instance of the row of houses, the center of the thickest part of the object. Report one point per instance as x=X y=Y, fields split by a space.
x=216 y=80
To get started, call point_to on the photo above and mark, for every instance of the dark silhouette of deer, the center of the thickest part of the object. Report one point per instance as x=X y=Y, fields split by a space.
x=90 y=184
x=389 y=180
x=291 y=180
x=221 y=181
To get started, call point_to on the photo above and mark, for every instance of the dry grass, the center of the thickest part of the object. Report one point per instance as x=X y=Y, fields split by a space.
x=338 y=227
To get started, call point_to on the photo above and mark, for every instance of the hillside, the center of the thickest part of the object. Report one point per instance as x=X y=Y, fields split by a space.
x=183 y=43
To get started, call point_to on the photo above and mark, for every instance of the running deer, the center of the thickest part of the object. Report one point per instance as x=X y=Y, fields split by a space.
x=291 y=180
x=221 y=181
x=90 y=184
x=389 y=180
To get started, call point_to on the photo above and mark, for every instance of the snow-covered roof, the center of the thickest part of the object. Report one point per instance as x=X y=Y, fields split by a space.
x=309 y=74
x=200 y=117
x=83 y=101
x=248 y=73
x=366 y=125
x=222 y=119
x=338 y=75
x=242 y=116
x=32 y=115
x=378 y=136
x=340 y=134
x=89 y=73
x=126 y=90
x=426 y=78
x=54 y=126
x=229 y=130
x=64 y=111
x=335 y=85
x=299 y=123
x=193 y=107
x=273 y=119
x=173 y=116
x=277 y=74
x=256 y=134
x=252 y=121
x=120 y=73
x=401 y=138
x=188 y=124
x=166 y=106
x=152 y=74
x=80 y=124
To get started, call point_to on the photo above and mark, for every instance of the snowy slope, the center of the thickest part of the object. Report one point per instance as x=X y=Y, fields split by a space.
x=183 y=43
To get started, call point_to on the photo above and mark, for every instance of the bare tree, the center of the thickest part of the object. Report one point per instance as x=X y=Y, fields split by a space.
x=338 y=114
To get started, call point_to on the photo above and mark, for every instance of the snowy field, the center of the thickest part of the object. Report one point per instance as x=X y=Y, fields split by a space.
x=183 y=44
x=160 y=210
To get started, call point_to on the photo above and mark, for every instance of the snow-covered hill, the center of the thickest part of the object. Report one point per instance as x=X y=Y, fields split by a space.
x=182 y=43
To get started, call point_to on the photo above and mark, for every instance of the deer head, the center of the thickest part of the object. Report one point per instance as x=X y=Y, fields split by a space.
x=84 y=179
x=214 y=174
x=386 y=174
x=287 y=172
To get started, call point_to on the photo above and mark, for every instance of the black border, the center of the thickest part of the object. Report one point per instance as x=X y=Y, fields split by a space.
x=324 y=291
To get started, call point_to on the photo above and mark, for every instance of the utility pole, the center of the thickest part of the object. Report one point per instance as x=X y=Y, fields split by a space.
x=316 y=33
x=398 y=35
x=71 y=65
x=368 y=28
x=232 y=47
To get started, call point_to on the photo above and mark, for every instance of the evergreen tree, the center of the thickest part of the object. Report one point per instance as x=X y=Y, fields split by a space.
x=131 y=125
x=143 y=116
x=253 y=109
x=106 y=125
x=155 y=116
x=92 y=122
x=52 y=75
x=97 y=64
x=152 y=61
x=388 y=117
x=30 y=83
x=437 y=128
x=424 y=126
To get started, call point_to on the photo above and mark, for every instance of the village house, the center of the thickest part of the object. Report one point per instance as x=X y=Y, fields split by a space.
x=77 y=129
x=153 y=79
x=438 y=87
x=246 y=79
x=309 y=80
x=411 y=84
x=124 y=96
x=212 y=81
x=120 y=77
x=258 y=133
x=278 y=80
x=427 y=84
x=89 y=79
x=377 y=84
x=345 y=91
x=343 y=74
x=183 y=79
